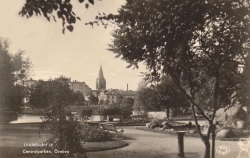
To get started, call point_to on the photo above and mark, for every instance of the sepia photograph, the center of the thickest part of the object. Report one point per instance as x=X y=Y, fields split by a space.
x=125 y=79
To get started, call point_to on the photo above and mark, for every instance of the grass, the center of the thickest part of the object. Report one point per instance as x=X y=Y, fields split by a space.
x=246 y=132
x=13 y=137
x=101 y=146
x=165 y=131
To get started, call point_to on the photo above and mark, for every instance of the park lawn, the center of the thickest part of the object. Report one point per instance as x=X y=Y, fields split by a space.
x=246 y=133
x=13 y=137
x=101 y=146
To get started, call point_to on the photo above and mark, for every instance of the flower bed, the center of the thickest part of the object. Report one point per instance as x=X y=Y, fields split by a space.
x=95 y=134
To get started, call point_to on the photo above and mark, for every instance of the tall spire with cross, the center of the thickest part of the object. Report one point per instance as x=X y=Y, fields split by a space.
x=101 y=81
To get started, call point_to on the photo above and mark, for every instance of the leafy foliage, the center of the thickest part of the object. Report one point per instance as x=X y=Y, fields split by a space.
x=93 y=99
x=127 y=107
x=42 y=95
x=95 y=134
x=147 y=100
x=158 y=96
x=85 y=113
x=65 y=129
x=66 y=134
x=13 y=70
x=21 y=66
x=123 y=106
x=53 y=9
x=112 y=110
x=200 y=45
x=78 y=98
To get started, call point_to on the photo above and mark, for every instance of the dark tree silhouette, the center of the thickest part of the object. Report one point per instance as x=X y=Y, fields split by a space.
x=54 y=9
x=196 y=43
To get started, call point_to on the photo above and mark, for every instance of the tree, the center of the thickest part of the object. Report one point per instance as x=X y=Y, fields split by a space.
x=198 y=44
x=13 y=70
x=66 y=134
x=160 y=95
x=194 y=42
x=127 y=107
x=119 y=99
x=112 y=110
x=93 y=99
x=79 y=98
x=146 y=99
x=169 y=96
x=21 y=67
x=63 y=9
x=85 y=113
x=39 y=96
x=42 y=95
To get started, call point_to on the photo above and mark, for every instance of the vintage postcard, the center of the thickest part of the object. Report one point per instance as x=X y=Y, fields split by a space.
x=124 y=79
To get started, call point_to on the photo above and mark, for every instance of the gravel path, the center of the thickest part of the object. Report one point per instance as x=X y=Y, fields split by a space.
x=146 y=144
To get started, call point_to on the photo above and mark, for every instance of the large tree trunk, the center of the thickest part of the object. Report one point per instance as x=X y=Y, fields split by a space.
x=205 y=139
x=213 y=141
x=207 y=146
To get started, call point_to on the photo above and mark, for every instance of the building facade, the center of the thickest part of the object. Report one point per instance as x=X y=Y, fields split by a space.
x=81 y=87
x=100 y=81
x=114 y=95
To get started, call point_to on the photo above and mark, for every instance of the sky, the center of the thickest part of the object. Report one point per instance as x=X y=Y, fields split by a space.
x=76 y=54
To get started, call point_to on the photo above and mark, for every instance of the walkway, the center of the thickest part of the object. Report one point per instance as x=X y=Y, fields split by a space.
x=146 y=144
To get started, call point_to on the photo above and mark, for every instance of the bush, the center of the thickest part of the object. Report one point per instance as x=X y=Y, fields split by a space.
x=85 y=113
x=164 y=123
x=148 y=125
x=155 y=122
x=153 y=126
x=225 y=133
x=95 y=134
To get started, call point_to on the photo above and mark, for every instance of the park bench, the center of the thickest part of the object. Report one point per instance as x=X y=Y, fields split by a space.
x=113 y=128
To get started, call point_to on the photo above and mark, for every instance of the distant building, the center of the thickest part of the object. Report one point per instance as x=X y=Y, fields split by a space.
x=95 y=93
x=30 y=82
x=100 y=81
x=102 y=97
x=81 y=87
x=114 y=95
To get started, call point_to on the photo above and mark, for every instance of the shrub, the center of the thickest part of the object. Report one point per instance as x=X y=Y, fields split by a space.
x=86 y=112
x=148 y=125
x=164 y=123
x=95 y=134
x=164 y=127
x=155 y=122
x=225 y=133
x=153 y=126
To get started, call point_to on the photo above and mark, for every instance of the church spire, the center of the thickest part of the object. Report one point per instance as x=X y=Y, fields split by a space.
x=100 y=81
x=101 y=73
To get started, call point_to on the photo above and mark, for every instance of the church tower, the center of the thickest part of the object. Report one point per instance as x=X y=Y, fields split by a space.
x=100 y=81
